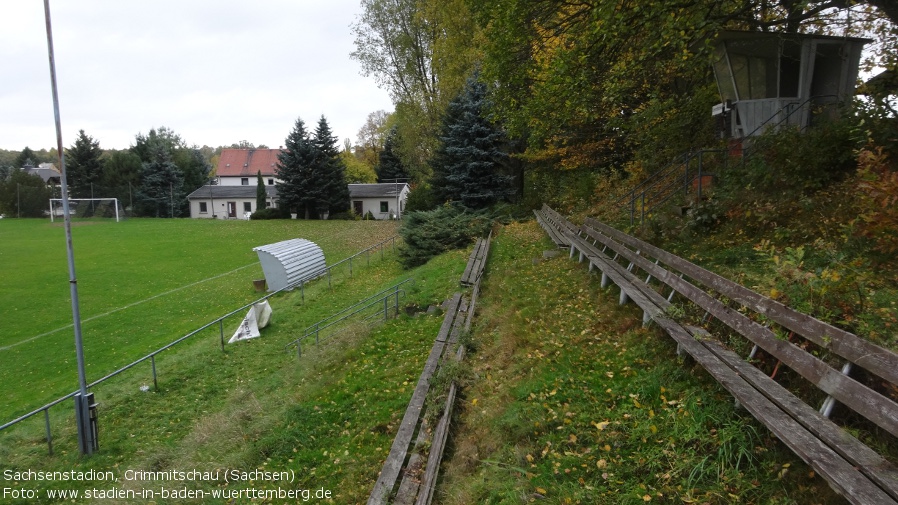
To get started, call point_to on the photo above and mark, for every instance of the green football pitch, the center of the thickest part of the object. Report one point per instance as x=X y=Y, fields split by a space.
x=142 y=283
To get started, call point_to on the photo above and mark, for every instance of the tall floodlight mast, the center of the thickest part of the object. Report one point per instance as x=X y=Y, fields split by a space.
x=86 y=438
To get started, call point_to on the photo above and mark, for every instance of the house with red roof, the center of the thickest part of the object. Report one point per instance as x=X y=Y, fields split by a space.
x=234 y=195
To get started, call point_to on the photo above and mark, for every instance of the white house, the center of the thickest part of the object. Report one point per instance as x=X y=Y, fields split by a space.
x=234 y=197
x=383 y=201
x=228 y=202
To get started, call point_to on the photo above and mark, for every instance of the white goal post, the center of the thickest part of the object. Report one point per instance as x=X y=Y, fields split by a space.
x=88 y=207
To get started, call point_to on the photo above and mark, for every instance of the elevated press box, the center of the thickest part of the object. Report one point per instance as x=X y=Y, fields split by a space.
x=289 y=262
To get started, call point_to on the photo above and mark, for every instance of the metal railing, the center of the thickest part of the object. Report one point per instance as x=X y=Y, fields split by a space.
x=151 y=357
x=667 y=182
x=378 y=300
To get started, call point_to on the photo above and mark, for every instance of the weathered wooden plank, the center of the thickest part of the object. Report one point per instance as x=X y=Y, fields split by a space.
x=438 y=446
x=863 y=353
x=617 y=274
x=863 y=400
x=393 y=464
x=841 y=474
x=866 y=460
x=414 y=469
x=472 y=261
x=551 y=230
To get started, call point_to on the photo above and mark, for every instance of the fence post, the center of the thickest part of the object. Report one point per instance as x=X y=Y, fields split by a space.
x=700 y=153
x=397 y=301
x=316 y=333
x=49 y=435
x=153 y=362
x=350 y=266
x=221 y=332
x=386 y=309
x=329 y=279
x=302 y=290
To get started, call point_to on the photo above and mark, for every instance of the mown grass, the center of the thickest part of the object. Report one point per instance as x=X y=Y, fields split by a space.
x=575 y=402
x=329 y=416
x=142 y=283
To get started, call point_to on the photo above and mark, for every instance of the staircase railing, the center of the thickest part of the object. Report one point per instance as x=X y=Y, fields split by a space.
x=687 y=170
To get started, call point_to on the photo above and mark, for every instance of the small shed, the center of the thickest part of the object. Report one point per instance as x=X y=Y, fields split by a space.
x=289 y=262
x=767 y=78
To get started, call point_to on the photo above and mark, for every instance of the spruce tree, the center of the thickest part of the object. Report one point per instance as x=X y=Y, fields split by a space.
x=390 y=167
x=331 y=191
x=293 y=171
x=467 y=165
x=83 y=166
x=162 y=192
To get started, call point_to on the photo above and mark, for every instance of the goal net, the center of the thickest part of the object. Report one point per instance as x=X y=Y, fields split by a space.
x=88 y=208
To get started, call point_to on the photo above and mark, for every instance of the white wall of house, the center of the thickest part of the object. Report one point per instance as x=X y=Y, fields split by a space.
x=202 y=208
x=384 y=207
x=246 y=181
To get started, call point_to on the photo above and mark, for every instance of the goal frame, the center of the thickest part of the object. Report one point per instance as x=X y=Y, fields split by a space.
x=118 y=217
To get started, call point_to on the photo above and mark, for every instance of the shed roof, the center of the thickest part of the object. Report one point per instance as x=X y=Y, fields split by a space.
x=230 y=192
x=381 y=190
x=247 y=162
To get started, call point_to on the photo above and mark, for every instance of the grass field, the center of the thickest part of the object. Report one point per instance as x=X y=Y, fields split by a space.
x=141 y=284
x=330 y=416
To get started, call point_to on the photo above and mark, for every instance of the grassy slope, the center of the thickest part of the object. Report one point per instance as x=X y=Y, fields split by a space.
x=572 y=401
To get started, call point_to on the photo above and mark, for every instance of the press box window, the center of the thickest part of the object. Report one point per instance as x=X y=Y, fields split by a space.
x=247 y=207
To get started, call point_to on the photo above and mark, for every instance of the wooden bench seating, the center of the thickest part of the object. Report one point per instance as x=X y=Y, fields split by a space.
x=476 y=262
x=553 y=231
x=852 y=468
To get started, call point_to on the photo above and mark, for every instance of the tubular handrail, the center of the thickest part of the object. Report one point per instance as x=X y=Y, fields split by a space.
x=316 y=328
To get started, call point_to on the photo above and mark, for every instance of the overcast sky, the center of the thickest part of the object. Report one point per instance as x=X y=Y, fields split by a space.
x=215 y=72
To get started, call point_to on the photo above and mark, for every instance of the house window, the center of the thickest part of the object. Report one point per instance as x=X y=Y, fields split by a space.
x=385 y=207
x=247 y=207
x=271 y=182
x=244 y=181
x=203 y=208
x=267 y=204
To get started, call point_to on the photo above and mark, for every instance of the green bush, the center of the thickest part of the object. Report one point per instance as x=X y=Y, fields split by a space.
x=793 y=160
x=270 y=213
x=430 y=233
x=421 y=198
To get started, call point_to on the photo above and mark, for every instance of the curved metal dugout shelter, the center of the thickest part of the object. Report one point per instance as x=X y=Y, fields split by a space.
x=288 y=262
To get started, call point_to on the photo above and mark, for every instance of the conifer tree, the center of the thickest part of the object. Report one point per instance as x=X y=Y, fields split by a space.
x=390 y=167
x=467 y=164
x=83 y=165
x=162 y=192
x=330 y=189
x=260 y=191
x=294 y=169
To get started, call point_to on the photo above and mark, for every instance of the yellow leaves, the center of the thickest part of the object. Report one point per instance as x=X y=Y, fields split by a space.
x=601 y=426
x=529 y=458
x=572 y=438
x=541 y=491
x=601 y=464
